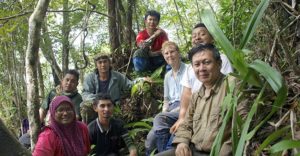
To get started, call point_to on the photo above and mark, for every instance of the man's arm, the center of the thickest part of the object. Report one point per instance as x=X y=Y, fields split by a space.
x=184 y=103
x=89 y=88
x=148 y=42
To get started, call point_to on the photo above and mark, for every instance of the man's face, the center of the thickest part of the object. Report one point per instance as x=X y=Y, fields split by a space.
x=201 y=35
x=104 y=109
x=69 y=83
x=206 y=68
x=64 y=114
x=103 y=65
x=171 y=55
x=151 y=22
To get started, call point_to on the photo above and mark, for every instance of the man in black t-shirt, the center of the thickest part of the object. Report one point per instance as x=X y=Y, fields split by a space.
x=107 y=133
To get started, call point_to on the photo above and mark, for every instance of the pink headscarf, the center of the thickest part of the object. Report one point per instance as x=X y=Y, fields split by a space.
x=70 y=135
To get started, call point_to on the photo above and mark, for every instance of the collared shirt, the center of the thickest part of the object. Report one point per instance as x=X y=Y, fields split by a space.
x=190 y=80
x=203 y=119
x=118 y=84
x=111 y=140
x=172 y=86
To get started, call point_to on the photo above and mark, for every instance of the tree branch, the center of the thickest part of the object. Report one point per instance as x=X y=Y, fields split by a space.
x=74 y=10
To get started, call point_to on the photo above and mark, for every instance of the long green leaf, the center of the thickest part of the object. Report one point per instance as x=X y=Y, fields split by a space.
x=284 y=145
x=272 y=137
x=270 y=74
x=227 y=106
x=279 y=101
x=208 y=19
x=243 y=138
x=236 y=57
x=255 y=19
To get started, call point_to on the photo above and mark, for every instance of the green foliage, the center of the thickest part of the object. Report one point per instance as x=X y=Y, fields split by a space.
x=144 y=125
x=284 y=145
x=255 y=73
x=272 y=137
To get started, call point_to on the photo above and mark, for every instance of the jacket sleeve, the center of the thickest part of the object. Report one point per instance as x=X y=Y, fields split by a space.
x=125 y=83
x=89 y=88
x=185 y=130
x=45 y=145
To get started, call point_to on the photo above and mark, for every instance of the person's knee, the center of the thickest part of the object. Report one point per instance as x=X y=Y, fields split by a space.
x=140 y=64
x=159 y=120
x=150 y=140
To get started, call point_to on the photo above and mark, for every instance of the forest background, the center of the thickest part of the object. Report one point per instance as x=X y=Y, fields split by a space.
x=73 y=31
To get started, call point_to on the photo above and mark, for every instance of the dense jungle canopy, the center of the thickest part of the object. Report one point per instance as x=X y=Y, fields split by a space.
x=40 y=40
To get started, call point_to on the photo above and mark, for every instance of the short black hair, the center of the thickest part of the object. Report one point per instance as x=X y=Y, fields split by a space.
x=73 y=72
x=199 y=25
x=102 y=96
x=201 y=47
x=152 y=13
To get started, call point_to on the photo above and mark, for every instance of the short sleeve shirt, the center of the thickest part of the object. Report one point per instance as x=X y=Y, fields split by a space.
x=157 y=43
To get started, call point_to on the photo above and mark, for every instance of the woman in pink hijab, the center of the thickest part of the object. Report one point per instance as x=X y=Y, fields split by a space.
x=65 y=136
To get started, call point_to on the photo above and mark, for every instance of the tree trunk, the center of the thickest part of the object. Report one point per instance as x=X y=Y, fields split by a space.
x=112 y=26
x=65 y=37
x=40 y=78
x=49 y=53
x=9 y=145
x=128 y=29
x=35 y=22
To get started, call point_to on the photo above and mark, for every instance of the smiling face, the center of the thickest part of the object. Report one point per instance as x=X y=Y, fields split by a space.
x=104 y=108
x=69 y=83
x=206 y=68
x=103 y=65
x=201 y=35
x=64 y=113
x=171 y=55
x=151 y=22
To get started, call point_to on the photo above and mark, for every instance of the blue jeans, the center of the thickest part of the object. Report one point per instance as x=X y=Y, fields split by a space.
x=159 y=134
x=143 y=62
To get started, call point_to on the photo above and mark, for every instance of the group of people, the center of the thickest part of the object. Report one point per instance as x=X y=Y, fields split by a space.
x=190 y=117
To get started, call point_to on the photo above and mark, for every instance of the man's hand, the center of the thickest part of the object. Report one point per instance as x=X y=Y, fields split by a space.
x=158 y=32
x=133 y=152
x=148 y=79
x=183 y=149
x=174 y=128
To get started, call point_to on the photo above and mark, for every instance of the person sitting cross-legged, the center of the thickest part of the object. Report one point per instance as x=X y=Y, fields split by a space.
x=149 y=57
x=159 y=135
x=107 y=133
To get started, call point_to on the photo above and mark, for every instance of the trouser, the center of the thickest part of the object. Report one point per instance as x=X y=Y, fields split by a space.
x=159 y=135
x=171 y=152
x=142 y=62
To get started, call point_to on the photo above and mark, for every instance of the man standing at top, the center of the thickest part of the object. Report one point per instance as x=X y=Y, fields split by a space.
x=150 y=40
